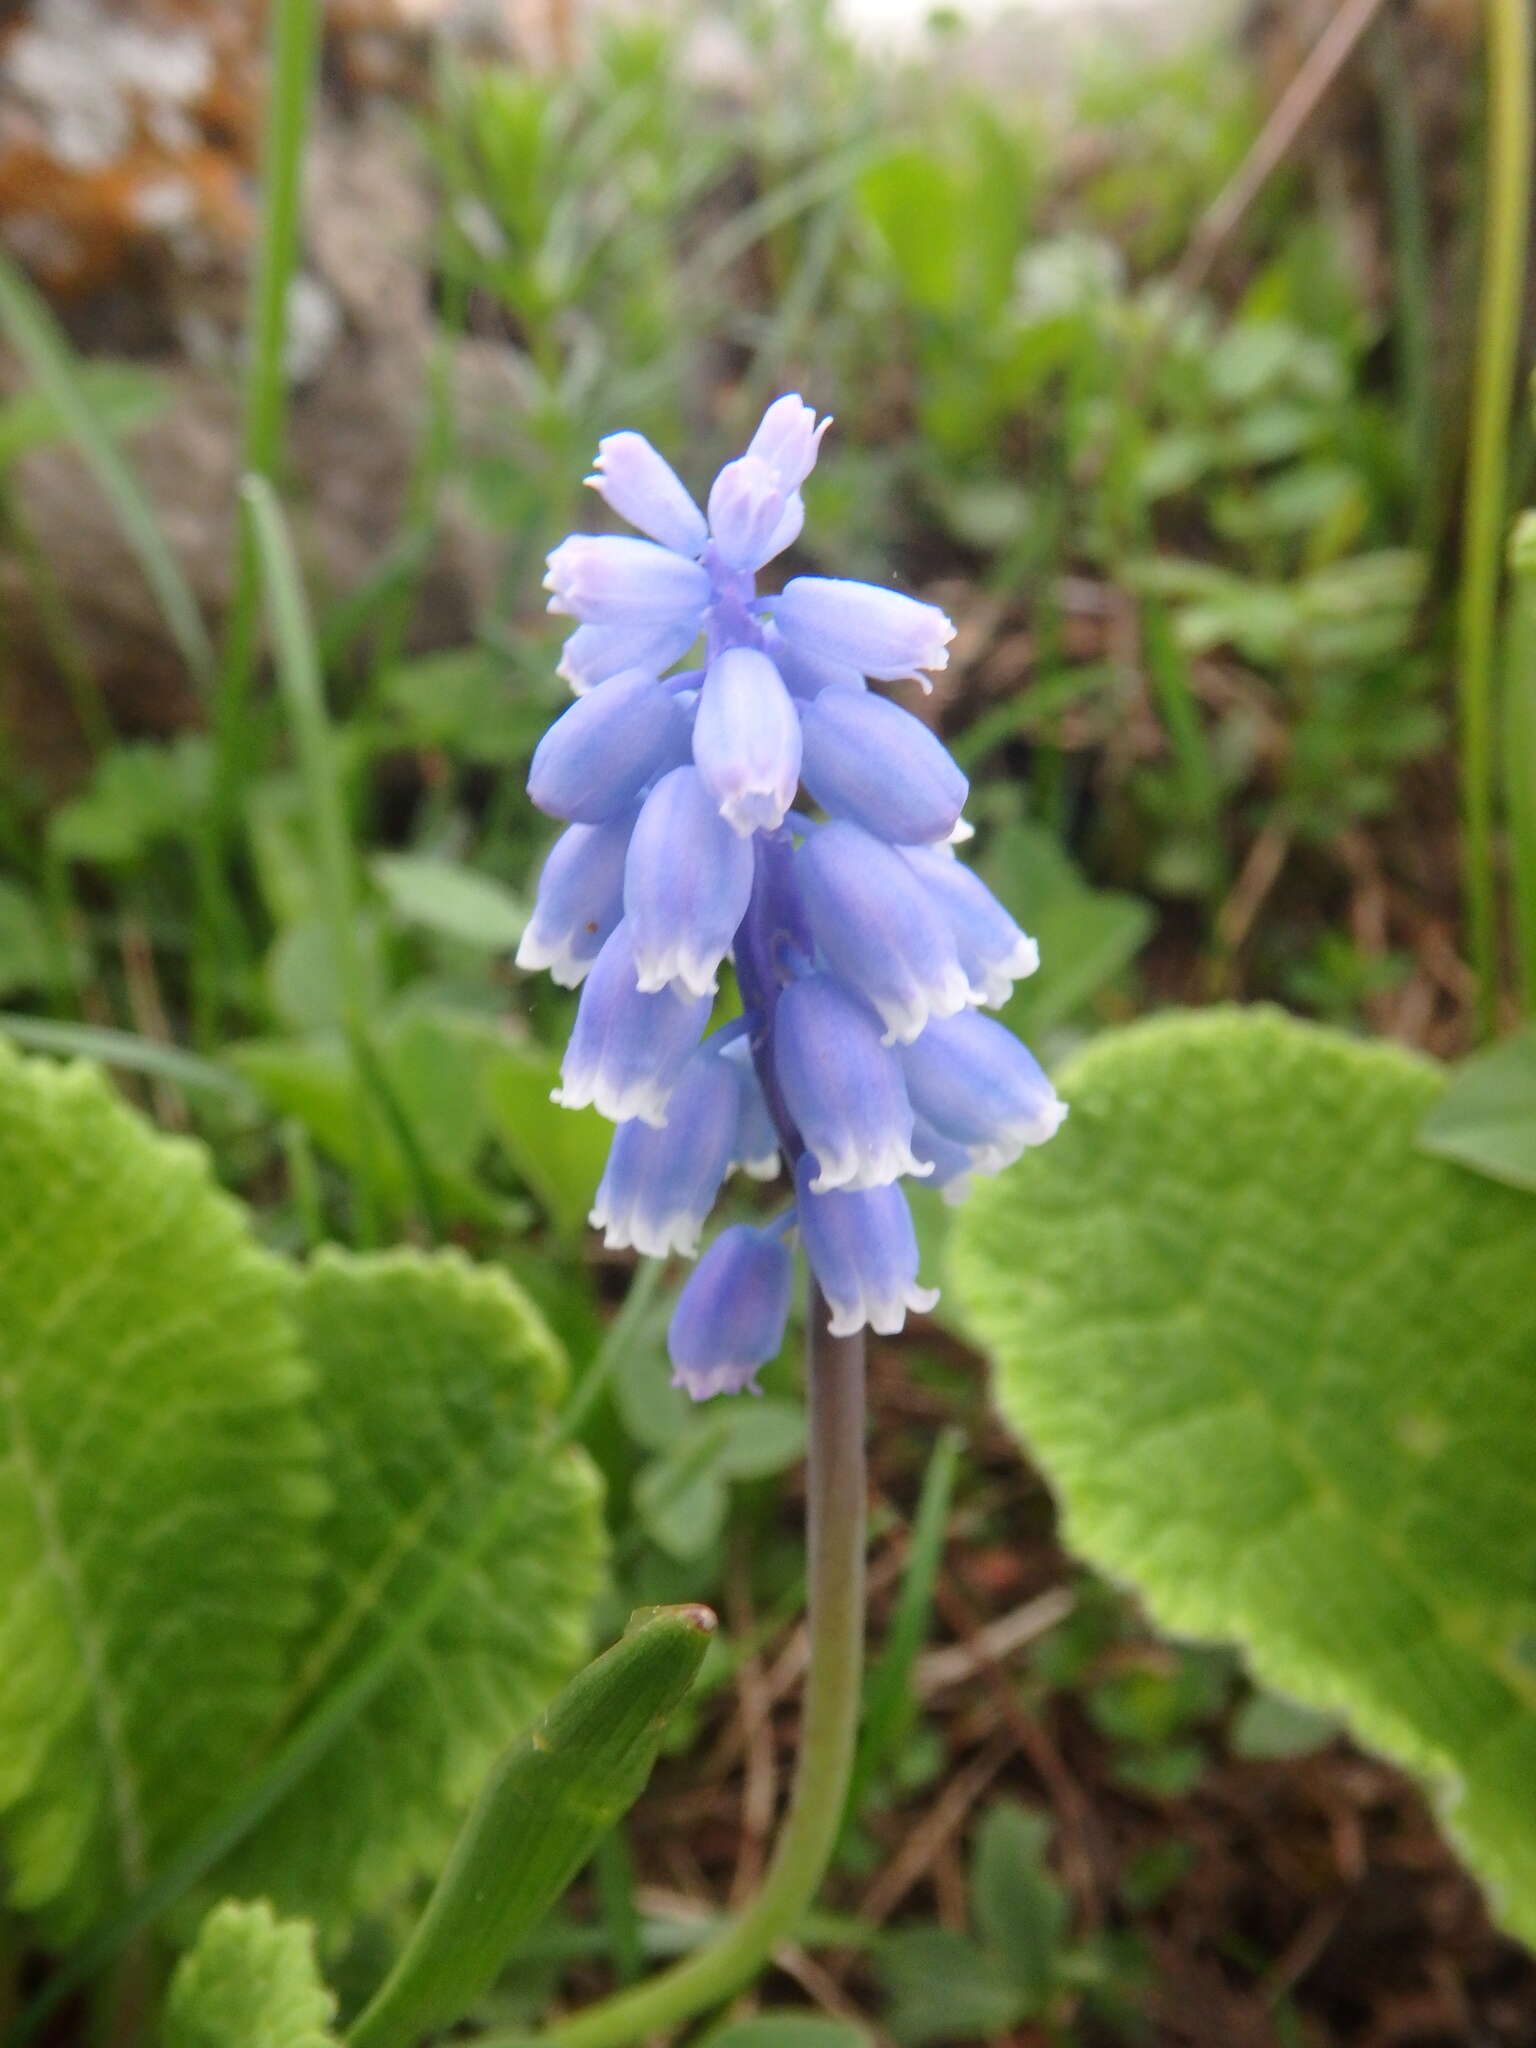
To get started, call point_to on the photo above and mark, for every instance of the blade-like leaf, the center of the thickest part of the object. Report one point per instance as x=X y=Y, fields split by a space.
x=540 y=1815
x=1486 y=1119
x=159 y=1483
x=436 y=1385
x=1279 y=1363
x=249 y=1981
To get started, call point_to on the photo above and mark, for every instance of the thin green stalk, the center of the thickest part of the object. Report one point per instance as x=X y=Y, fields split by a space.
x=125 y=1049
x=37 y=338
x=1520 y=750
x=292 y=55
x=1412 y=275
x=835 y=1484
x=1506 y=229
x=299 y=679
x=891 y=1705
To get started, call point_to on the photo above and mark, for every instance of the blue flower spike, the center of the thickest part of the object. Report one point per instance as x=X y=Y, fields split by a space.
x=863 y=948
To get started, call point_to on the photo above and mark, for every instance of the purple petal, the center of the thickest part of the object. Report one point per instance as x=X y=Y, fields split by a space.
x=788 y=439
x=746 y=740
x=610 y=580
x=879 y=632
x=863 y=1252
x=599 y=756
x=687 y=883
x=866 y=759
x=593 y=654
x=580 y=900
x=645 y=489
x=659 y=1185
x=842 y=1086
x=980 y=1087
x=627 y=1049
x=730 y=1317
x=747 y=504
x=994 y=951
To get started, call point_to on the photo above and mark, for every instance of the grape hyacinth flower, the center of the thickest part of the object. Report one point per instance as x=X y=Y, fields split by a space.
x=863 y=948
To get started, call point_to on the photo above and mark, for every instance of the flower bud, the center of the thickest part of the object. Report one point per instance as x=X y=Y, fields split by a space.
x=580 y=899
x=627 y=1049
x=746 y=509
x=612 y=579
x=644 y=488
x=863 y=1251
x=878 y=930
x=687 y=883
x=980 y=1087
x=881 y=633
x=842 y=1086
x=730 y=1317
x=599 y=755
x=660 y=1185
x=746 y=740
x=593 y=654
x=865 y=758
x=993 y=950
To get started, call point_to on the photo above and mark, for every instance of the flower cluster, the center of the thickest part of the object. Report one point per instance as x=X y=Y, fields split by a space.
x=864 y=951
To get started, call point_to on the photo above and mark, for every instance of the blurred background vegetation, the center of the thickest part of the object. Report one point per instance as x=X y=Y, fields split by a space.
x=1154 y=375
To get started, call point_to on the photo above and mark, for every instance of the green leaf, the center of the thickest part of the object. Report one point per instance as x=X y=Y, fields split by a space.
x=540 y=1815
x=1486 y=1118
x=944 y=1988
x=1268 y=1726
x=25 y=954
x=159 y=1483
x=123 y=396
x=558 y=1152
x=451 y=899
x=1278 y=1362
x=1087 y=936
x=250 y=1981
x=140 y=796
x=436 y=1385
x=1021 y=1911
x=789 y=2029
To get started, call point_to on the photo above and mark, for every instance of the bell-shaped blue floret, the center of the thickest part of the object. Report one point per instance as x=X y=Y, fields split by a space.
x=687 y=883
x=980 y=1087
x=881 y=633
x=842 y=1086
x=756 y=1149
x=863 y=1251
x=950 y=1165
x=730 y=1317
x=878 y=929
x=609 y=579
x=599 y=756
x=788 y=439
x=994 y=951
x=593 y=654
x=627 y=1049
x=644 y=488
x=660 y=1185
x=746 y=740
x=580 y=899
x=865 y=758
x=746 y=510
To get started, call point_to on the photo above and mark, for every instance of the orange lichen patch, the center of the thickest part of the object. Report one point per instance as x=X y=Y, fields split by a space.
x=126 y=126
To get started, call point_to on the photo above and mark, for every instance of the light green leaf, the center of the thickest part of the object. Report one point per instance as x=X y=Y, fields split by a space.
x=250 y=1981
x=558 y=1152
x=944 y=1988
x=450 y=899
x=1266 y=1725
x=159 y=1482
x=1021 y=1911
x=140 y=795
x=1486 y=1118
x=25 y=954
x=1279 y=1364
x=1087 y=936
x=436 y=1384
x=789 y=2030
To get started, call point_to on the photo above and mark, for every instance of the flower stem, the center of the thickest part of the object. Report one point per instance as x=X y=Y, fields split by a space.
x=835 y=1486
x=1506 y=210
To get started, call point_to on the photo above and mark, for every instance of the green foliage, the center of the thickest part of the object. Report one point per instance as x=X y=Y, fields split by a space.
x=1486 y=1118
x=160 y=1480
x=435 y=1382
x=944 y=1986
x=1277 y=1361
x=788 y=2029
x=540 y=1814
x=249 y=1981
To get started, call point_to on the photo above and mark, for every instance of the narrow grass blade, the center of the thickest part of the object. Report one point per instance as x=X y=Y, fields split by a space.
x=127 y=1050
x=890 y=1708
x=37 y=338
x=1506 y=234
x=538 y=1819
x=1520 y=750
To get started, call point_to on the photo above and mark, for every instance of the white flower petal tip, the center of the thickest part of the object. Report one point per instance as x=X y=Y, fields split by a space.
x=765 y=1168
x=963 y=831
x=624 y=1232
x=887 y=1318
x=719 y=1379
x=854 y=1172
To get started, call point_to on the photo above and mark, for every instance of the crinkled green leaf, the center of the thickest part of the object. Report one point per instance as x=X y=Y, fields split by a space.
x=435 y=1388
x=159 y=1483
x=1280 y=1365
x=249 y=1981
x=26 y=960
